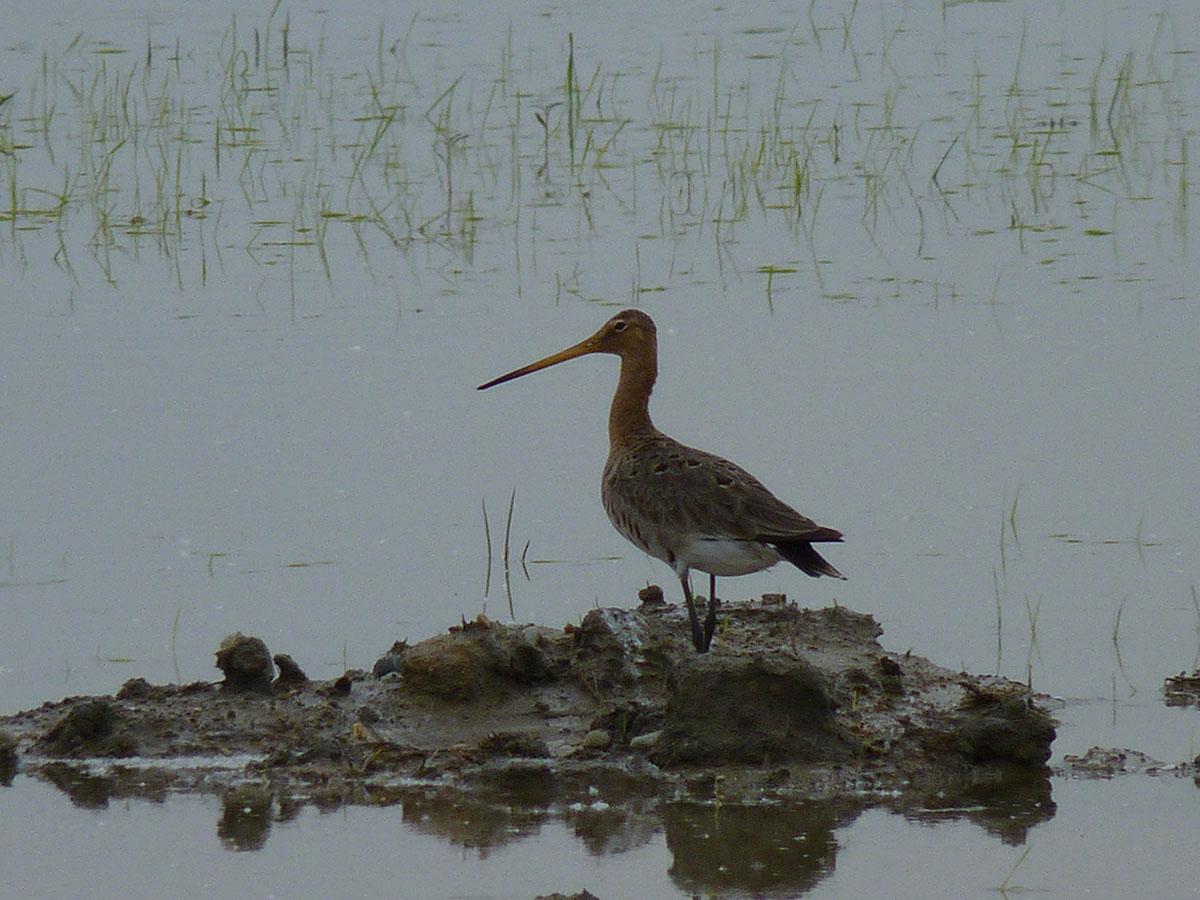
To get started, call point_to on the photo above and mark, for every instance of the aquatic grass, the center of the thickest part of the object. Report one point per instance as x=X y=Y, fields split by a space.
x=1137 y=539
x=1116 y=636
x=1119 y=111
x=999 y=620
x=1180 y=218
x=708 y=154
x=487 y=541
x=512 y=499
x=1005 y=886
x=1196 y=607
x=1003 y=554
x=1032 y=612
x=175 y=643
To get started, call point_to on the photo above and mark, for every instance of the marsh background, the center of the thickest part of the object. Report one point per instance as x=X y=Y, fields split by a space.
x=927 y=270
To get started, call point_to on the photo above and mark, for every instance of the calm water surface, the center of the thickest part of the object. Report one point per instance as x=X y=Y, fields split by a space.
x=245 y=300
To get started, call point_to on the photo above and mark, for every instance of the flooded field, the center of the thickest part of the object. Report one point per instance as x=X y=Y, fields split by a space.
x=928 y=273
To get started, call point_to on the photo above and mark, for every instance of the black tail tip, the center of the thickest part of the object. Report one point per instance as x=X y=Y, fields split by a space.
x=802 y=555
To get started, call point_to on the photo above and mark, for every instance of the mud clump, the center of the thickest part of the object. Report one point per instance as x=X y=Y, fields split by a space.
x=757 y=711
x=1182 y=689
x=512 y=745
x=1004 y=726
x=473 y=661
x=247 y=665
x=93 y=728
x=1109 y=762
x=290 y=674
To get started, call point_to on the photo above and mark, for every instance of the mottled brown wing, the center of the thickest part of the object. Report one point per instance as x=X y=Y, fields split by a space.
x=684 y=489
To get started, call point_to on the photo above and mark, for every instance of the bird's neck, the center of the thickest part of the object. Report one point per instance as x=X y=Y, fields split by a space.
x=629 y=415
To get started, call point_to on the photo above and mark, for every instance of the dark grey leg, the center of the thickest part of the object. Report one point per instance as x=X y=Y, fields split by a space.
x=710 y=621
x=697 y=635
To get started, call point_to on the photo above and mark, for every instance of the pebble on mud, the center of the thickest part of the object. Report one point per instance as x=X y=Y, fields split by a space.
x=645 y=742
x=246 y=662
x=597 y=739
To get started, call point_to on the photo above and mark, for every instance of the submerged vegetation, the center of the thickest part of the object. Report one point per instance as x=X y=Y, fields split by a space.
x=271 y=143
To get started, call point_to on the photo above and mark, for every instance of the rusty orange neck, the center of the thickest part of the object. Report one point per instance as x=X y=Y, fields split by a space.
x=629 y=416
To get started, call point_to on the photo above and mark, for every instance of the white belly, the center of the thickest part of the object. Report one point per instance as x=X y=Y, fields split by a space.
x=722 y=556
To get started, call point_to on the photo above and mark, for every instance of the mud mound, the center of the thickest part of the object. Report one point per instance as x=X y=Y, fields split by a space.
x=789 y=703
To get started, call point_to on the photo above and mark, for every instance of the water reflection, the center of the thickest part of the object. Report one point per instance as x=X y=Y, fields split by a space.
x=607 y=830
x=87 y=789
x=764 y=851
x=1007 y=812
x=8 y=759
x=245 y=821
x=472 y=822
x=777 y=848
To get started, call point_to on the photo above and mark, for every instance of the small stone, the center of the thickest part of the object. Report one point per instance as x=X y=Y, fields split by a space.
x=645 y=741
x=597 y=739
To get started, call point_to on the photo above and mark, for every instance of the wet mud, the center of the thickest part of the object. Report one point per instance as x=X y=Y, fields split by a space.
x=789 y=701
x=1182 y=690
x=795 y=722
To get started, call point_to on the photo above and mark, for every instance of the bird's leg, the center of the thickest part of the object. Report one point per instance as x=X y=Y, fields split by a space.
x=697 y=635
x=710 y=621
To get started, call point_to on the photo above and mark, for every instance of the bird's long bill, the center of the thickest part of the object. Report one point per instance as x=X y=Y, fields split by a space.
x=580 y=349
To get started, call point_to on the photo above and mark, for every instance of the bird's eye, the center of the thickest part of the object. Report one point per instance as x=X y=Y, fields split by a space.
x=619 y=326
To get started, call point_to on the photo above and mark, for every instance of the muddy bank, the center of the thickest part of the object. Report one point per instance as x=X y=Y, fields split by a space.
x=747 y=760
x=800 y=709
x=807 y=699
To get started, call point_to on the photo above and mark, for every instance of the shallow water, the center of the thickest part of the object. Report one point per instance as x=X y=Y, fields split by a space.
x=1085 y=849
x=238 y=364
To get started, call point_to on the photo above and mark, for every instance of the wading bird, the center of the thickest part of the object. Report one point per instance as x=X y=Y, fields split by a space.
x=691 y=509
